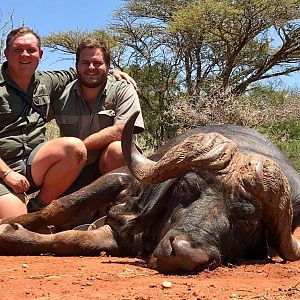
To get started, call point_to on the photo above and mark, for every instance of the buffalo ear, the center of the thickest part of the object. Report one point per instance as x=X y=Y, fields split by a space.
x=155 y=201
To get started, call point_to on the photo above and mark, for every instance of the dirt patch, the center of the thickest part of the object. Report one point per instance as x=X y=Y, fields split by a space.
x=48 y=277
x=45 y=277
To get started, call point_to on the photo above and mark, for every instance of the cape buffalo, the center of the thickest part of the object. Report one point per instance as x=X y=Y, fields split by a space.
x=211 y=196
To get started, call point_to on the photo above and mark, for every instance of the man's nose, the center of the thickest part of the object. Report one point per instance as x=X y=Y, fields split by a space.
x=91 y=66
x=25 y=53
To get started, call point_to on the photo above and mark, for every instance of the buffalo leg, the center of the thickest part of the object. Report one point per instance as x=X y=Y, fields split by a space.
x=16 y=240
x=83 y=206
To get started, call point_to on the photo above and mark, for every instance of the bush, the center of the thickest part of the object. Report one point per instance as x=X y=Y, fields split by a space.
x=275 y=117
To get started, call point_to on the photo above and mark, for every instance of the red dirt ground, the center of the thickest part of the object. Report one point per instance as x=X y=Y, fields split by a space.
x=48 y=277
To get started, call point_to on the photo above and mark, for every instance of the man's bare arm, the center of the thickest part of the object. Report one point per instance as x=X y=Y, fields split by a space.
x=104 y=137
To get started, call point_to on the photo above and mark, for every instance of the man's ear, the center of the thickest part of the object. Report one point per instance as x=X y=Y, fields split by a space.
x=41 y=53
x=6 y=52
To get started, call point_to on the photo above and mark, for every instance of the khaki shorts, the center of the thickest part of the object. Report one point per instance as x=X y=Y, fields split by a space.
x=22 y=166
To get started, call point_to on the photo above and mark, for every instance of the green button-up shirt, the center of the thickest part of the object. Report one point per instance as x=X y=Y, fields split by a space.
x=22 y=128
x=115 y=105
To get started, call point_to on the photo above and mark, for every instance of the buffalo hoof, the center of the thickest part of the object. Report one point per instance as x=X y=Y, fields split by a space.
x=9 y=234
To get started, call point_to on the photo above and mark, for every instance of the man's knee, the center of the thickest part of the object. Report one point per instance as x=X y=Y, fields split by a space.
x=114 y=149
x=75 y=146
x=72 y=150
x=12 y=205
x=57 y=150
x=55 y=159
x=111 y=157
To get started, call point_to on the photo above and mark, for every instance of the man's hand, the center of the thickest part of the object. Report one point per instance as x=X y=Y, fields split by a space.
x=17 y=182
x=122 y=75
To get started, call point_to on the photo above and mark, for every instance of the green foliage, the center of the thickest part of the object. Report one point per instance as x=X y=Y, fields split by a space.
x=200 y=62
x=282 y=125
x=67 y=41
x=156 y=83
x=287 y=136
x=228 y=43
x=265 y=95
x=151 y=9
x=235 y=39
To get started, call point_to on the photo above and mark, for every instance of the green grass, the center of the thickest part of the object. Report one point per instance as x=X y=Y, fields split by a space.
x=286 y=135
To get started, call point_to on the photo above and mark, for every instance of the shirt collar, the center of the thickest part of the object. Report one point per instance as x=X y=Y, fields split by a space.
x=3 y=73
x=4 y=76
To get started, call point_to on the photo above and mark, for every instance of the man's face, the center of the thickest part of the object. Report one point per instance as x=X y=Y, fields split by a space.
x=91 y=68
x=23 y=55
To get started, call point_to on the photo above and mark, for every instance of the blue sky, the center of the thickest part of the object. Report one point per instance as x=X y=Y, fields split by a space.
x=46 y=16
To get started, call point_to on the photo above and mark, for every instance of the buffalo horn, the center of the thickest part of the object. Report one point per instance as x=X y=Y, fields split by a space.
x=206 y=151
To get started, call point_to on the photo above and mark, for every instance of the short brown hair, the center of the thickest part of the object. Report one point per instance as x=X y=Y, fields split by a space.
x=19 y=32
x=93 y=44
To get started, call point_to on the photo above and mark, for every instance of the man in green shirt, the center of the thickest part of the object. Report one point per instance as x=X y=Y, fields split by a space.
x=95 y=108
x=27 y=164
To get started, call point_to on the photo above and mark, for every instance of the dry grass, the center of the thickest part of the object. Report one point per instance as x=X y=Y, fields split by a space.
x=231 y=110
x=52 y=130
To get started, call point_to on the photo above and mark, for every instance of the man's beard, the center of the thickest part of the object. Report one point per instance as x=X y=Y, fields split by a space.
x=99 y=81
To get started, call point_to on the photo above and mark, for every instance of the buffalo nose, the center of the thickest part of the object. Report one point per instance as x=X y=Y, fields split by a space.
x=181 y=256
x=190 y=257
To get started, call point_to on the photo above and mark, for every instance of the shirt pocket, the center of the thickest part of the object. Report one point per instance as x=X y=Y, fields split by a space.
x=9 y=115
x=68 y=125
x=106 y=118
x=41 y=100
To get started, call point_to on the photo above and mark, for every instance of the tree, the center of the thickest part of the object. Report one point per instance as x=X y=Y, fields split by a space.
x=5 y=26
x=242 y=41
x=66 y=42
x=192 y=50
x=224 y=44
x=210 y=48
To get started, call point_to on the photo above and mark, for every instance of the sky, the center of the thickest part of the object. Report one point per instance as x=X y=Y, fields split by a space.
x=47 y=16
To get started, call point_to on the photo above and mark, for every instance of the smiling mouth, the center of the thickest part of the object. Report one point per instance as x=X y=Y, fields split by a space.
x=92 y=77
